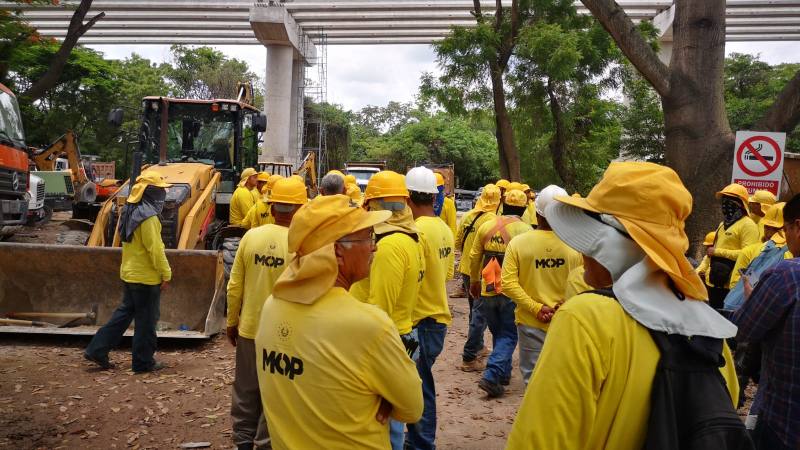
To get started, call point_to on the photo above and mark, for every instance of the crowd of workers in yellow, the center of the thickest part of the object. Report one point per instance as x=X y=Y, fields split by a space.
x=338 y=305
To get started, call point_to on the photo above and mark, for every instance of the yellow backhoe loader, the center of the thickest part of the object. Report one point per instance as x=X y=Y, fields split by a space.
x=201 y=147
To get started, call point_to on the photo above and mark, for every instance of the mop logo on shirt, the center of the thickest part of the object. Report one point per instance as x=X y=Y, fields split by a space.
x=286 y=365
x=269 y=261
x=550 y=263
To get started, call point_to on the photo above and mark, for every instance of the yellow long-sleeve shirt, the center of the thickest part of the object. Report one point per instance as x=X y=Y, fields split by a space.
x=394 y=279
x=241 y=202
x=143 y=259
x=495 y=244
x=747 y=256
x=731 y=242
x=575 y=283
x=465 y=236
x=437 y=243
x=448 y=214
x=592 y=383
x=535 y=271
x=261 y=258
x=323 y=369
x=258 y=214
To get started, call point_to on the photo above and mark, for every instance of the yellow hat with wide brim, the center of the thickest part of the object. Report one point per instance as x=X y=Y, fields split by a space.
x=737 y=191
x=327 y=218
x=147 y=178
x=651 y=202
x=246 y=173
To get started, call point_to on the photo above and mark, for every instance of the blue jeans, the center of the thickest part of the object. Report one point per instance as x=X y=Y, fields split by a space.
x=140 y=302
x=499 y=314
x=477 y=326
x=397 y=430
x=422 y=435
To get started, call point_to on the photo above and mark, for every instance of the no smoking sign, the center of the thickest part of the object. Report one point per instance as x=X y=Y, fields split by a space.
x=758 y=160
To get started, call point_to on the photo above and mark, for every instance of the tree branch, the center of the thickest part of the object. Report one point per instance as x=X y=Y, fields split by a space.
x=784 y=114
x=76 y=29
x=617 y=23
x=477 y=12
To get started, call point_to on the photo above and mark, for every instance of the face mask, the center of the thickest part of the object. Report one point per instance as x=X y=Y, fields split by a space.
x=391 y=206
x=731 y=210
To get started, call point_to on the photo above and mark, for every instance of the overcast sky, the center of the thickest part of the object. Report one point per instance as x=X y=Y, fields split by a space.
x=374 y=75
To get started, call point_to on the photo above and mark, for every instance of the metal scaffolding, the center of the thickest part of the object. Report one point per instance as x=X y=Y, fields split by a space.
x=314 y=88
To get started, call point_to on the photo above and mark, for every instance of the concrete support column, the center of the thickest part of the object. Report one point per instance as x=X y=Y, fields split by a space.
x=296 y=121
x=278 y=105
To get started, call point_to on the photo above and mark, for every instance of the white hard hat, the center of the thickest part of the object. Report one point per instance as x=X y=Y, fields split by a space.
x=421 y=179
x=546 y=196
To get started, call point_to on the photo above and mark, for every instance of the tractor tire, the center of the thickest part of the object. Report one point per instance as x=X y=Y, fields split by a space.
x=229 y=247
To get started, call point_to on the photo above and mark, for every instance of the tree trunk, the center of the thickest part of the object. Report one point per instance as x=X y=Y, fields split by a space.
x=699 y=141
x=506 y=146
x=76 y=29
x=558 y=143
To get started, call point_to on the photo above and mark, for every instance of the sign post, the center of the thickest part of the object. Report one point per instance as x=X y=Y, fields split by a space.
x=758 y=160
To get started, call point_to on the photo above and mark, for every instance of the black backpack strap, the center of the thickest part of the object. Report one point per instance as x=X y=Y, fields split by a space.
x=470 y=229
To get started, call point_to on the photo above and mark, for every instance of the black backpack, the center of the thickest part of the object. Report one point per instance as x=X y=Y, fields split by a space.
x=690 y=406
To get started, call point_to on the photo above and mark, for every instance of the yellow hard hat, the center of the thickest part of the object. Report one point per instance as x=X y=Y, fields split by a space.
x=765 y=198
x=502 y=183
x=354 y=193
x=515 y=198
x=335 y=172
x=350 y=179
x=735 y=191
x=289 y=191
x=439 y=179
x=246 y=173
x=773 y=217
x=298 y=178
x=147 y=178
x=709 y=240
x=386 y=184
x=263 y=176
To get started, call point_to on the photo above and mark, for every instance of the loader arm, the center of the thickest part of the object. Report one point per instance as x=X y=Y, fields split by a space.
x=66 y=144
x=309 y=167
x=200 y=217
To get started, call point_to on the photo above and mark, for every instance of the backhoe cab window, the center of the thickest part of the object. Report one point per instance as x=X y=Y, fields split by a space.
x=208 y=139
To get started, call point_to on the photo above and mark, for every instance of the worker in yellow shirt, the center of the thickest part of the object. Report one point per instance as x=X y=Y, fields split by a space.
x=759 y=203
x=530 y=211
x=261 y=258
x=261 y=181
x=397 y=267
x=486 y=260
x=705 y=263
x=448 y=212
x=593 y=383
x=431 y=315
x=352 y=190
x=243 y=197
x=575 y=283
x=144 y=271
x=470 y=223
x=772 y=224
x=736 y=232
x=535 y=271
x=331 y=370
x=259 y=214
x=503 y=185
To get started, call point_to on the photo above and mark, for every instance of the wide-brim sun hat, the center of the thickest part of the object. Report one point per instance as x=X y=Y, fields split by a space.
x=651 y=203
x=147 y=178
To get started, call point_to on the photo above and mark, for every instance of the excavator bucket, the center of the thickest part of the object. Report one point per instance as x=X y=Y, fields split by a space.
x=63 y=289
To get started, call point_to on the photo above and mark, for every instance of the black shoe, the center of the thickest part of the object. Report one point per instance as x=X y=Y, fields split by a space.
x=505 y=381
x=492 y=389
x=249 y=446
x=103 y=363
x=158 y=365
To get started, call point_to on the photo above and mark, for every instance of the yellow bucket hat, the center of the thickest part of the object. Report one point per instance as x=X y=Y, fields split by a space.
x=516 y=198
x=709 y=240
x=651 y=202
x=147 y=178
x=246 y=173
x=489 y=199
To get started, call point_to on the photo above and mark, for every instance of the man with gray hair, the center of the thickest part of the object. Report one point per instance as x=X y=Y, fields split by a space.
x=332 y=183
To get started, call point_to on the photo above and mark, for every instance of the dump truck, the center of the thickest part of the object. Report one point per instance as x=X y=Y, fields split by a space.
x=13 y=166
x=363 y=171
x=201 y=147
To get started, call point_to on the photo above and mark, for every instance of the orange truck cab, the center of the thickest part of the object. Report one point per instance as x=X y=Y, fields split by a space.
x=14 y=172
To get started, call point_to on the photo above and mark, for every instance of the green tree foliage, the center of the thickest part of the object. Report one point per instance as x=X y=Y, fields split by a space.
x=642 y=119
x=204 y=73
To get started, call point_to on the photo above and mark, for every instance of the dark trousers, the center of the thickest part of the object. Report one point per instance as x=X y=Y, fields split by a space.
x=766 y=439
x=716 y=297
x=476 y=328
x=140 y=302
x=499 y=314
x=422 y=435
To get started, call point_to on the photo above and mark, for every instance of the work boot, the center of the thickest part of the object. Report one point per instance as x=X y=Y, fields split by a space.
x=484 y=352
x=158 y=365
x=472 y=366
x=103 y=363
x=505 y=381
x=494 y=390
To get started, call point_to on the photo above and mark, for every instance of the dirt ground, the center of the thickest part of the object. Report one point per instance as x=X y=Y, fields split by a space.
x=51 y=398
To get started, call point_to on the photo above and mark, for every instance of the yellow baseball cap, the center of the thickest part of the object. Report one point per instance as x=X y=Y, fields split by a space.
x=147 y=178
x=515 y=198
x=651 y=202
